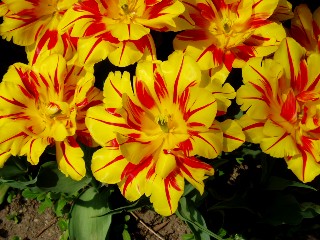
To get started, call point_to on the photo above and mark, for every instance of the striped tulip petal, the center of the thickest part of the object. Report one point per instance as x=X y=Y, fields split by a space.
x=276 y=138
x=229 y=32
x=4 y=156
x=281 y=96
x=35 y=24
x=165 y=193
x=305 y=166
x=233 y=137
x=154 y=128
x=119 y=29
x=253 y=129
x=305 y=27
x=108 y=165
x=33 y=149
x=39 y=105
x=70 y=158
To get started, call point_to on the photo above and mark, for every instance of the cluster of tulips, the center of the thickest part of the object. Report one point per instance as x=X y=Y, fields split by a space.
x=150 y=129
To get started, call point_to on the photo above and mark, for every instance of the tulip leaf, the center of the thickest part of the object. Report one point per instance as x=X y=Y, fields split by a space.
x=283 y=209
x=277 y=183
x=50 y=178
x=87 y=219
x=14 y=167
x=3 y=191
x=188 y=213
x=310 y=210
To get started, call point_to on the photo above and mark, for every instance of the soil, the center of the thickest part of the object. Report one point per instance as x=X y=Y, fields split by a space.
x=21 y=219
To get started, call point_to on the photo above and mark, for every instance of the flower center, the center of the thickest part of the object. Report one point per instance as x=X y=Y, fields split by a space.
x=128 y=9
x=166 y=123
x=54 y=110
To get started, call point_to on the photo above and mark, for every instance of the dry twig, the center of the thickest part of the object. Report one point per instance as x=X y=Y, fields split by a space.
x=146 y=226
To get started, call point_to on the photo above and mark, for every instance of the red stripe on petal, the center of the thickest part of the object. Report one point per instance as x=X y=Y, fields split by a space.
x=21 y=134
x=99 y=40
x=160 y=86
x=144 y=95
x=132 y=170
x=170 y=181
x=116 y=90
x=255 y=125
x=190 y=113
x=217 y=54
x=112 y=123
x=176 y=82
x=56 y=81
x=289 y=107
x=232 y=137
x=279 y=140
x=14 y=102
x=116 y=159
x=63 y=149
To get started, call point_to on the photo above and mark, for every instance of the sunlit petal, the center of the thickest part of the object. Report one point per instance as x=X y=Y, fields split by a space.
x=70 y=158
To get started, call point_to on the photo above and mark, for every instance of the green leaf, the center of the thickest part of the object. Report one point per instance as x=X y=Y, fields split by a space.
x=310 y=210
x=277 y=183
x=63 y=224
x=47 y=203
x=28 y=193
x=143 y=201
x=283 y=209
x=188 y=213
x=126 y=235
x=59 y=205
x=87 y=219
x=188 y=236
x=19 y=184
x=3 y=191
x=14 y=166
x=50 y=178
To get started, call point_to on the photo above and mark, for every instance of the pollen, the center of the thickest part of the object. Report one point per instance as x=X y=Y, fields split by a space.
x=165 y=122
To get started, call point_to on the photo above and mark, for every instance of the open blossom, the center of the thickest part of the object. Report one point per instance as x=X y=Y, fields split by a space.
x=282 y=103
x=150 y=134
x=34 y=24
x=229 y=32
x=120 y=29
x=39 y=107
x=305 y=28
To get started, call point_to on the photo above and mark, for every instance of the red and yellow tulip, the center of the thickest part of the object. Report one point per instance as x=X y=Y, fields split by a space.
x=120 y=29
x=282 y=103
x=39 y=107
x=34 y=24
x=151 y=134
x=305 y=28
x=229 y=32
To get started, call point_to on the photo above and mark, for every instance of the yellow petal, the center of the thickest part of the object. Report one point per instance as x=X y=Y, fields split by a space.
x=125 y=54
x=108 y=165
x=165 y=193
x=165 y=164
x=133 y=186
x=93 y=49
x=70 y=159
x=34 y=149
x=208 y=144
x=233 y=137
x=275 y=138
x=4 y=156
x=252 y=129
x=103 y=123
x=289 y=55
x=304 y=166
